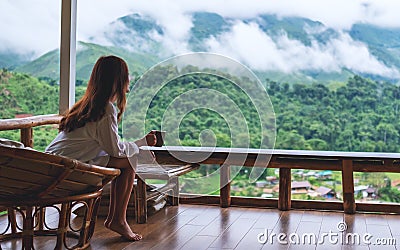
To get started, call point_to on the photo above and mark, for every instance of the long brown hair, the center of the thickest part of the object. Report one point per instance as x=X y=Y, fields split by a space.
x=109 y=79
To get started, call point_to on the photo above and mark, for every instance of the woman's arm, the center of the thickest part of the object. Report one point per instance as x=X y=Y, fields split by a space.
x=110 y=141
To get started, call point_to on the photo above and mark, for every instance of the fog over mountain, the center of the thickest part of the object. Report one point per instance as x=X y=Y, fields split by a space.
x=267 y=43
x=271 y=38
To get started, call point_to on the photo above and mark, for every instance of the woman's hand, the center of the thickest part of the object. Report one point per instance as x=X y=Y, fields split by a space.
x=151 y=139
x=148 y=140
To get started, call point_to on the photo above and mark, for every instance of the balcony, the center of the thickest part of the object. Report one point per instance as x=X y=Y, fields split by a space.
x=229 y=222
x=236 y=222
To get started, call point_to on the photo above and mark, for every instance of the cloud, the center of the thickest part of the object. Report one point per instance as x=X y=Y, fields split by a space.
x=248 y=44
x=31 y=27
x=339 y=14
x=355 y=56
x=34 y=27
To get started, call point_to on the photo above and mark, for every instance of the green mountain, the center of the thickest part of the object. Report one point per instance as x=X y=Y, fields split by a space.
x=384 y=43
x=309 y=77
x=135 y=33
x=48 y=65
x=296 y=28
x=139 y=39
x=206 y=25
x=10 y=60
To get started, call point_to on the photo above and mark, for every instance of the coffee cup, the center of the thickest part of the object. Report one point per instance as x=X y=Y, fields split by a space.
x=160 y=135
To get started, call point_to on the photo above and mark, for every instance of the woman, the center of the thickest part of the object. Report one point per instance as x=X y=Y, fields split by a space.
x=89 y=133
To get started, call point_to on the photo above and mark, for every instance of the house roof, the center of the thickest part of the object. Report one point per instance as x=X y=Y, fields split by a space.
x=301 y=184
x=325 y=172
x=360 y=188
x=370 y=190
x=323 y=190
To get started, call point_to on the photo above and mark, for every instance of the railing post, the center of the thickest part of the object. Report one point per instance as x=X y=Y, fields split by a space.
x=349 y=204
x=225 y=185
x=285 y=189
x=27 y=137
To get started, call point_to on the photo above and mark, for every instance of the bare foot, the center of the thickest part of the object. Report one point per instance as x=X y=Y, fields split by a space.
x=107 y=223
x=124 y=230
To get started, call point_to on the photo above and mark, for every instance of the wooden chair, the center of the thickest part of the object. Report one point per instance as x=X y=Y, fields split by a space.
x=32 y=181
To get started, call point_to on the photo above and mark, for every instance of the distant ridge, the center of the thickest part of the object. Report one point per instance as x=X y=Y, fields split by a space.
x=139 y=39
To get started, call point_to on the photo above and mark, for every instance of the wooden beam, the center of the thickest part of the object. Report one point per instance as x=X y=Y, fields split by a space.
x=27 y=137
x=253 y=202
x=29 y=122
x=285 y=189
x=199 y=199
x=225 y=185
x=174 y=197
x=349 y=204
x=295 y=204
x=383 y=208
x=318 y=205
x=140 y=201
x=67 y=55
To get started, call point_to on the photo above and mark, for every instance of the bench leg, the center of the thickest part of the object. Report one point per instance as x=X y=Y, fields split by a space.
x=27 y=232
x=141 y=201
x=173 y=199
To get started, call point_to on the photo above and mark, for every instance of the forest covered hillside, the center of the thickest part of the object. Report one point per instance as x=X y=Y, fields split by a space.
x=357 y=115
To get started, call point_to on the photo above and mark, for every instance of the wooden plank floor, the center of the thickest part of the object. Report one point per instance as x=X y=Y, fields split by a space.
x=211 y=227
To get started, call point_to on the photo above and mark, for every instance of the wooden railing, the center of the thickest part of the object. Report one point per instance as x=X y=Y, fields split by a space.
x=26 y=125
x=285 y=160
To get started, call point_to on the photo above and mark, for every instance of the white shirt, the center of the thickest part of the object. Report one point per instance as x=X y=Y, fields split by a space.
x=95 y=142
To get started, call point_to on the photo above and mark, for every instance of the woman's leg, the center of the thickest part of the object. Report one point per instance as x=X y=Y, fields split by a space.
x=121 y=190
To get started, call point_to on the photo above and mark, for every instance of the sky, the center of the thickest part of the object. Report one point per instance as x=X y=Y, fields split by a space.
x=33 y=27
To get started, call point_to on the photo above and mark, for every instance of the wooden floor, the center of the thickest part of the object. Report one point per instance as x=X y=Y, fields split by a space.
x=211 y=227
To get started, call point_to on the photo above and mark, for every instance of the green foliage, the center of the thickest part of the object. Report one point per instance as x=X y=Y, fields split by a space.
x=389 y=194
x=203 y=119
x=23 y=94
x=360 y=115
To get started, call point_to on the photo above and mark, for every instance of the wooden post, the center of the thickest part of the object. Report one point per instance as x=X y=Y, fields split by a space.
x=285 y=189
x=349 y=204
x=174 y=198
x=140 y=201
x=27 y=232
x=225 y=185
x=12 y=218
x=27 y=137
x=41 y=217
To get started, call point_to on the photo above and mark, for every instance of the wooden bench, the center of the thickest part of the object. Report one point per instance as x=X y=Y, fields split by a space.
x=31 y=181
x=170 y=173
